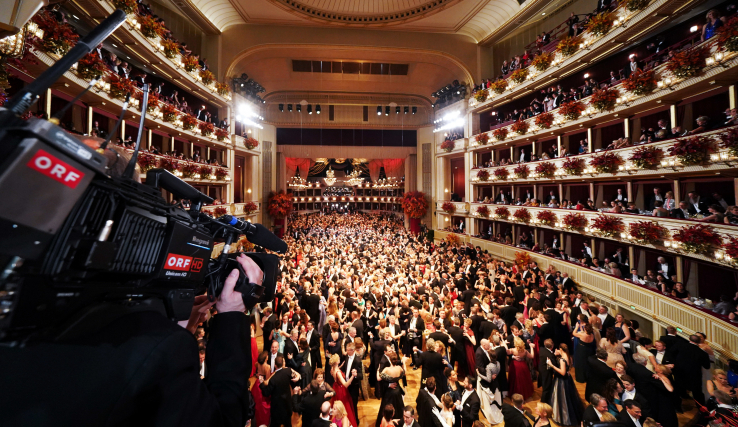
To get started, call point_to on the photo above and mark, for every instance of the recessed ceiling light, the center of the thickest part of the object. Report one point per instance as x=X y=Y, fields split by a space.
x=75 y=17
x=114 y=45
x=543 y=13
x=144 y=66
x=128 y=57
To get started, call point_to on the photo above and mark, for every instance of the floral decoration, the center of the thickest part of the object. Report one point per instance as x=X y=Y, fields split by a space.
x=221 y=134
x=279 y=204
x=573 y=166
x=120 y=87
x=152 y=101
x=481 y=95
x=521 y=171
x=482 y=138
x=207 y=77
x=190 y=63
x=206 y=129
x=58 y=37
x=547 y=218
x=220 y=211
x=483 y=175
x=571 y=110
x=546 y=169
x=501 y=173
x=648 y=232
x=483 y=211
x=205 y=171
x=448 y=145
x=692 y=151
x=640 y=82
x=731 y=249
x=221 y=174
x=171 y=48
x=188 y=122
x=607 y=163
x=453 y=239
x=500 y=134
x=727 y=35
x=698 y=239
x=647 y=157
x=568 y=46
x=543 y=61
x=169 y=164
x=544 y=120
x=520 y=127
x=729 y=140
x=127 y=6
x=448 y=207
x=574 y=221
x=146 y=161
x=251 y=143
x=169 y=112
x=498 y=86
x=519 y=75
x=687 y=63
x=600 y=24
x=502 y=212
x=150 y=28
x=522 y=215
x=604 y=99
x=249 y=208
x=222 y=89
x=414 y=204
x=91 y=66
x=636 y=5
x=522 y=259
x=608 y=225
x=190 y=169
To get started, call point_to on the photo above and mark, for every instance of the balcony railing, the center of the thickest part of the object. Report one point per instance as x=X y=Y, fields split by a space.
x=460 y=146
x=318 y=199
x=720 y=160
x=235 y=209
x=185 y=169
x=663 y=309
x=460 y=208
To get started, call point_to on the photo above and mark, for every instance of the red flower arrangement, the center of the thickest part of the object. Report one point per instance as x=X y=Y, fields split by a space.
x=120 y=87
x=608 y=225
x=222 y=89
x=502 y=212
x=249 y=208
x=647 y=157
x=448 y=207
x=500 y=134
x=207 y=77
x=687 y=63
x=600 y=24
x=483 y=211
x=169 y=113
x=573 y=166
x=152 y=103
x=647 y=232
x=607 y=163
x=481 y=95
x=414 y=204
x=146 y=161
x=571 y=110
x=729 y=140
x=482 y=138
x=574 y=221
x=58 y=37
x=127 y=6
x=188 y=122
x=190 y=63
x=171 y=48
x=221 y=134
x=220 y=211
x=727 y=35
x=483 y=175
x=453 y=239
x=520 y=127
x=221 y=174
x=522 y=259
x=547 y=218
x=604 y=99
x=519 y=75
x=91 y=66
x=251 y=143
x=522 y=215
x=640 y=82
x=448 y=145
x=731 y=249
x=205 y=171
x=521 y=171
x=699 y=238
x=279 y=204
x=546 y=170
x=498 y=86
x=150 y=28
x=693 y=151
x=568 y=46
x=542 y=61
x=501 y=173
x=189 y=170
x=544 y=120
x=206 y=128
x=169 y=164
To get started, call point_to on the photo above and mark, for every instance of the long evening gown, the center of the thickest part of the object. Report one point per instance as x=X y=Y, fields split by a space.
x=565 y=401
x=490 y=398
x=262 y=405
x=520 y=378
x=582 y=353
x=342 y=394
x=254 y=354
x=391 y=396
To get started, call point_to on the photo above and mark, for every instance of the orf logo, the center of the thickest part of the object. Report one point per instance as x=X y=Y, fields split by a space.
x=178 y=262
x=55 y=169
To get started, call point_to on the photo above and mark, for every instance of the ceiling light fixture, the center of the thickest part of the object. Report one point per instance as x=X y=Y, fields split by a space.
x=386 y=110
x=317 y=109
x=310 y=109
x=379 y=110
x=415 y=110
x=281 y=108
x=692 y=29
x=406 y=110
x=289 y=107
x=397 y=110
x=299 y=108
x=586 y=75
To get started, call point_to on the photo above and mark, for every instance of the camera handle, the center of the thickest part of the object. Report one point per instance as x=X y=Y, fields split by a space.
x=250 y=292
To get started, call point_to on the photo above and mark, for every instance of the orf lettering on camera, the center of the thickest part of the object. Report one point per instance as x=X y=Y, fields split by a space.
x=55 y=169
x=178 y=262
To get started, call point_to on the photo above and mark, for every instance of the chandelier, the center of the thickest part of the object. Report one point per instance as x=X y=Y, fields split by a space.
x=297 y=183
x=387 y=183
x=354 y=178
x=330 y=176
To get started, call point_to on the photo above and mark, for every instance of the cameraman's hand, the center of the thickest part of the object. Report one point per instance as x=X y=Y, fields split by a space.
x=199 y=313
x=231 y=300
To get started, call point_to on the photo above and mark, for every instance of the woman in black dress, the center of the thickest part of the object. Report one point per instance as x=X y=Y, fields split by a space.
x=565 y=401
x=585 y=347
x=392 y=395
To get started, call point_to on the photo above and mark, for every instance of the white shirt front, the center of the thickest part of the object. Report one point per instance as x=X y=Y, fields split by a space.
x=467 y=393
x=628 y=395
x=602 y=317
x=660 y=356
x=665 y=269
x=635 y=420
x=349 y=362
x=272 y=357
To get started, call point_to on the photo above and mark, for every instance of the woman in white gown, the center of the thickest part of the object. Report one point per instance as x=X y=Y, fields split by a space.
x=490 y=397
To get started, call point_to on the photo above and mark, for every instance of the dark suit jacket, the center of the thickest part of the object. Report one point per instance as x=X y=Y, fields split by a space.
x=514 y=418
x=545 y=374
x=508 y=314
x=597 y=375
x=311 y=304
x=458 y=336
x=320 y=423
x=608 y=323
x=269 y=324
x=590 y=416
x=424 y=404
x=356 y=383
x=679 y=214
x=470 y=410
x=688 y=358
x=485 y=330
x=308 y=404
x=279 y=388
x=625 y=419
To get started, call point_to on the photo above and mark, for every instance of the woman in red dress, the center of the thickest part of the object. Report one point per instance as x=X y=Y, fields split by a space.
x=340 y=389
x=262 y=404
x=519 y=378
x=469 y=343
x=254 y=349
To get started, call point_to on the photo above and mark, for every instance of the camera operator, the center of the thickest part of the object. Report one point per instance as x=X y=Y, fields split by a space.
x=129 y=365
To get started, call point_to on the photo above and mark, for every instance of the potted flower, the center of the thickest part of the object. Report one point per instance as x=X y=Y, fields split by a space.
x=207 y=77
x=498 y=86
x=152 y=101
x=190 y=63
x=169 y=164
x=519 y=75
x=522 y=215
x=640 y=82
x=546 y=169
x=188 y=122
x=698 y=239
x=502 y=212
x=544 y=120
x=500 y=134
x=731 y=250
x=571 y=110
x=727 y=35
x=692 y=151
x=146 y=162
x=520 y=127
x=568 y=46
x=206 y=129
x=481 y=95
x=220 y=211
x=648 y=232
x=729 y=140
x=636 y=5
x=91 y=66
x=58 y=37
x=448 y=145
x=604 y=99
x=171 y=48
x=448 y=207
x=222 y=89
x=522 y=259
x=483 y=175
x=221 y=174
x=501 y=173
x=453 y=240
x=543 y=61
x=606 y=163
x=687 y=63
x=574 y=221
x=573 y=166
x=279 y=204
x=205 y=171
x=600 y=24
x=483 y=211
x=608 y=225
x=251 y=143
x=189 y=170
x=249 y=208
x=546 y=218
x=482 y=138
x=521 y=171
x=127 y=6
x=221 y=134
x=120 y=87
x=647 y=157
x=149 y=27
x=414 y=204
x=169 y=113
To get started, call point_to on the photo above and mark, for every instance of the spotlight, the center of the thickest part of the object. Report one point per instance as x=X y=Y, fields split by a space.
x=586 y=75
x=310 y=109
x=281 y=108
x=299 y=108
x=397 y=110
x=415 y=110
x=494 y=113
x=693 y=29
x=289 y=107
x=379 y=110
x=631 y=55
x=386 y=110
x=406 y=110
x=317 y=109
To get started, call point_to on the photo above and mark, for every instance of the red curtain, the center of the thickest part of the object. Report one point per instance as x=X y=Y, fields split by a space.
x=293 y=163
x=394 y=168
x=374 y=167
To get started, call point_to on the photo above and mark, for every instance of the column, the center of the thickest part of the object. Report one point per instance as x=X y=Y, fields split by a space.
x=679 y=270
x=561 y=192
x=558 y=144
x=468 y=161
x=535 y=190
x=677 y=192
x=123 y=130
x=171 y=144
x=629 y=191
x=533 y=148
x=592 y=246
x=631 y=256
x=636 y=134
x=589 y=140
x=673 y=115
x=512 y=153
x=592 y=192
x=626 y=124
x=230 y=157
x=732 y=96
x=47 y=106
x=471 y=226
x=89 y=120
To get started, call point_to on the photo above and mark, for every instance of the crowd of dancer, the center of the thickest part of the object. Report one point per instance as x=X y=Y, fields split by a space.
x=379 y=301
